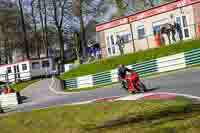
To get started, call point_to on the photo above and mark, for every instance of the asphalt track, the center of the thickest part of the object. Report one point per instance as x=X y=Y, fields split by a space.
x=39 y=95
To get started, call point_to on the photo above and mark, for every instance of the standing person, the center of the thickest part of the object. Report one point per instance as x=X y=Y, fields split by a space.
x=179 y=30
x=120 y=45
x=168 y=32
x=163 y=29
x=173 y=30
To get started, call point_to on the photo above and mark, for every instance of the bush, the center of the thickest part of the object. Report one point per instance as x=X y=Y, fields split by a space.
x=111 y=63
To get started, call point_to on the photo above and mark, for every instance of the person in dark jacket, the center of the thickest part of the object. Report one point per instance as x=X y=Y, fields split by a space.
x=122 y=72
x=179 y=30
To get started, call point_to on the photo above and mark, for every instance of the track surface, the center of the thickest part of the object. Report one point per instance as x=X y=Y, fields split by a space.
x=39 y=95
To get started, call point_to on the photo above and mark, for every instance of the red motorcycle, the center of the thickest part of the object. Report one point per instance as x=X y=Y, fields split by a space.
x=134 y=84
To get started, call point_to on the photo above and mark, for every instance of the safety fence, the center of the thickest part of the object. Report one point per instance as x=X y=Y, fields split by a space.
x=163 y=64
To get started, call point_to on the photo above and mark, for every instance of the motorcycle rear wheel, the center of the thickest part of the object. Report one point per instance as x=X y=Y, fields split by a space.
x=142 y=87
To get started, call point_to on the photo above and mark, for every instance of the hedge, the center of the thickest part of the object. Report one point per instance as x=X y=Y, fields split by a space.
x=132 y=58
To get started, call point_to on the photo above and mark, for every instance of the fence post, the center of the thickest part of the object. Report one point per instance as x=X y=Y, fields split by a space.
x=7 y=78
x=147 y=40
x=15 y=75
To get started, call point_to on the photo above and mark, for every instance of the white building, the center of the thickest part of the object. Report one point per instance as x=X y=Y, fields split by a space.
x=138 y=30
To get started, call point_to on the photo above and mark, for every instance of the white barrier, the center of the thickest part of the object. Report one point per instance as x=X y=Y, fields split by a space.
x=170 y=63
x=85 y=81
x=114 y=75
x=8 y=102
x=159 y=65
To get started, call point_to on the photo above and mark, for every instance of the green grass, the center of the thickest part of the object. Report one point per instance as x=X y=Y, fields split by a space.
x=20 y=86
x=117 y=117
x=112 y=63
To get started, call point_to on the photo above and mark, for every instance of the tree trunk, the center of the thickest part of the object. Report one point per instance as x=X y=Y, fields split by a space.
x=83 y=37
x=42 y=24
x=46 y=29
x=77 y=46
x=24 y=30
x=35 y=39
x=61 y=41
x=5 y=52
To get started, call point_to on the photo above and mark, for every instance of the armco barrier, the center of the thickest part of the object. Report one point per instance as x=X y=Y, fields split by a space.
x=192 y=57
x=8 y=102
x=163 y=64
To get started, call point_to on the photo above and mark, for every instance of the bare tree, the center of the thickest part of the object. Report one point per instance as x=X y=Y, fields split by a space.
x=77 y=10
x=83 y=9
x=58 y=13
x=24 y=29
x=46 y=26
x=35 y=36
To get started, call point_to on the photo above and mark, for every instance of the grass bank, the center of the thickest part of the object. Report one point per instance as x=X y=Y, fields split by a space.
x=20 y=86
x=128 y=117
x=112 y=63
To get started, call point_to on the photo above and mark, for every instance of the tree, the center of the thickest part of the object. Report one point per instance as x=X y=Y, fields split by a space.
x=46 y=27
x=43 y=20
x=58 y=15
x=77 y=10
x=24 y=29
x=86 y=11
x=35 y=37
x=9 y=31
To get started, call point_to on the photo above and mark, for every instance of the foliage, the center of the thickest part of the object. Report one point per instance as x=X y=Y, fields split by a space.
x=111 y=63
x=20 y=86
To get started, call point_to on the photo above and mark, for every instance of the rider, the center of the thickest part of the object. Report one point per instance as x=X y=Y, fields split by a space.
x=122 y=72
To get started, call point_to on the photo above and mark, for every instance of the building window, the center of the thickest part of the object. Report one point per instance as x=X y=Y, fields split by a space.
x=108 y=41
x=109 y=51
x=185 y=24
x=186 y=31
x=141 y=32
x=45 y=64
x=113 y=49
x=112 y=39
x=9 y=70
x=24 y=67
x=126 y=37
x=35 y=65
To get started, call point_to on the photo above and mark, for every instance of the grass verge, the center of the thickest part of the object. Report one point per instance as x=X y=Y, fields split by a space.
x=162 y=116
x=20 y=86
x=112 y=63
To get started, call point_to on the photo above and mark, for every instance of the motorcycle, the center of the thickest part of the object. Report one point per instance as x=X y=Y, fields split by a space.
x=134 y=84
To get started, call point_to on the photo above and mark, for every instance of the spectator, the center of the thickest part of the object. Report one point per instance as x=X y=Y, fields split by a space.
x=162 y=35
x=173 y=31
x=120 y=45
x=179 y=30
x=168 y=32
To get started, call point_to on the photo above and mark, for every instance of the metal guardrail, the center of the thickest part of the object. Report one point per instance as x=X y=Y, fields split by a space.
x=192 y=57
x=163 y=64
